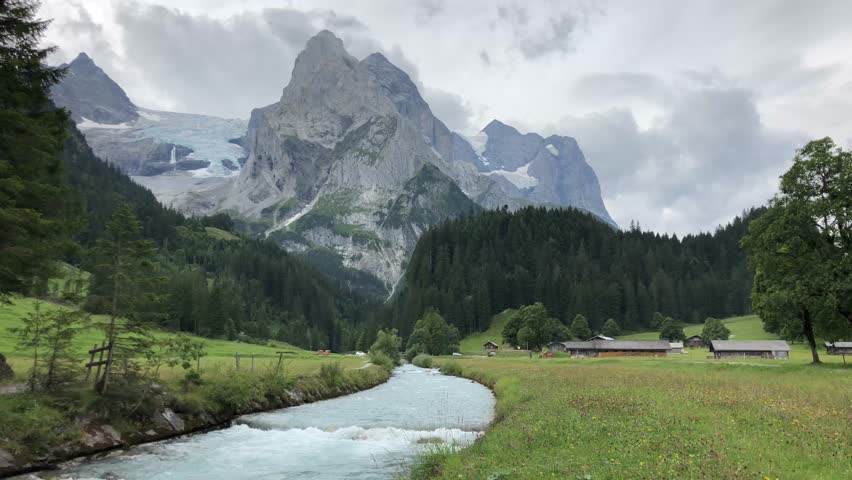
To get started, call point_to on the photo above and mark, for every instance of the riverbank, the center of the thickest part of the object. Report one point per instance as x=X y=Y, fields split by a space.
x=40 y=430
x=653 y=418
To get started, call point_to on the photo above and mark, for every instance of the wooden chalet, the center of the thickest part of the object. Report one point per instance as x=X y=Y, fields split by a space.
x=613 y=348
x=838 y=348
x=490 y=346
x=774 y=349
x=694 y=341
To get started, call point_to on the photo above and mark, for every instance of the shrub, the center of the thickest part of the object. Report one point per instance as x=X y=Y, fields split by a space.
x=387 y=343
x=332 y=374
x=382 y=360
x=452 y=368
x=423 y=361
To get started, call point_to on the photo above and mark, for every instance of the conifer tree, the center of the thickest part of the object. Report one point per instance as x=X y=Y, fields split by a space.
x=124 y=285
x=34 y=216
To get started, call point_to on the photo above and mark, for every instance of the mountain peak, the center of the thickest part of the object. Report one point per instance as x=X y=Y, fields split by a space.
x=323 y=57
x=325 y=43
x=497 y=128
x=82 y=59
x=88 y=92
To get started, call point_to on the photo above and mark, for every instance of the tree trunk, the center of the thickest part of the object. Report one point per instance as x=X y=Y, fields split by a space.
x=808 y=327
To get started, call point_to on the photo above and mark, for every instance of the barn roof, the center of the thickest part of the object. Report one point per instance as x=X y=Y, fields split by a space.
x=631 y=345
x=695 y=336
x=579 y=345
x=749 y=346
x=676 y=345
x=600 y=337
x=489 y=342
x=842 y=344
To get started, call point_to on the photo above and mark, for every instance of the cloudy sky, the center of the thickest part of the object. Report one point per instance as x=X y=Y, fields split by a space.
x=688 y=111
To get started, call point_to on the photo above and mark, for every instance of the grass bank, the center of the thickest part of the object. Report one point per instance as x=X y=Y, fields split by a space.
x=39 y=429
x=648 y=418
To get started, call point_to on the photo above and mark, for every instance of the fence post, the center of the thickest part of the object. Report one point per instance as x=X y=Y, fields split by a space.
x=252 y=362
x=237 y=356
x=91 y=360
x=100 y=359
x=278 y=367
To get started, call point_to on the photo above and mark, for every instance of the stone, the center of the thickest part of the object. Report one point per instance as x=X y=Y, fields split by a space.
x=173 y=420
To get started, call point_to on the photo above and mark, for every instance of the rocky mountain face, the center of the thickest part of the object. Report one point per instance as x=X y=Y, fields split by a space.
x=549 y=171
x=350 y=162
x=88 y=93
x=187 y=160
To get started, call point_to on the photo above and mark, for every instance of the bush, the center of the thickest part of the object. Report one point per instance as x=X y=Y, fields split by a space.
x=332 y=374
x=452 y=368
x=382 y=360
x=422 y=360
x=387 y=343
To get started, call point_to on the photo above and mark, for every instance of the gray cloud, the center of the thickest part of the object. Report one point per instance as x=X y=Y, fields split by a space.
x=180 y=61
x=450 y=108
x=709 y=157
x=538 y=39
x=625 y=85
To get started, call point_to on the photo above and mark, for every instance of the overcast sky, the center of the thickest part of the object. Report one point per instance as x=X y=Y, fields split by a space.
x=687 y=111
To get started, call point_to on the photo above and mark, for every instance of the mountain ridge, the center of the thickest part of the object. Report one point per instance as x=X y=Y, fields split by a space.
x=333 y=159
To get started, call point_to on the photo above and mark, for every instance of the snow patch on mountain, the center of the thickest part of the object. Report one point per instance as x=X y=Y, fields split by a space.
x=478 y=142
x=519 y=177
x=553 y=150
x=87 y=124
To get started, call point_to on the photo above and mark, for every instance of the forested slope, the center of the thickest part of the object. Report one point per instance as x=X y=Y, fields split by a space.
x=475 y=267
x=213 y=286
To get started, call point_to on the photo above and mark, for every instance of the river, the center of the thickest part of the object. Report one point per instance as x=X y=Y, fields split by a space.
x=369 y=435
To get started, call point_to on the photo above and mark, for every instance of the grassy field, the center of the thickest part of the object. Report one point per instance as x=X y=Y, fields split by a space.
x=219 y=357
x=680 y=416
x=653 y=418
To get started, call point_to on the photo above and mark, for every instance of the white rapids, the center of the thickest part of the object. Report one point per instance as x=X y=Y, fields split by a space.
x=369 y=435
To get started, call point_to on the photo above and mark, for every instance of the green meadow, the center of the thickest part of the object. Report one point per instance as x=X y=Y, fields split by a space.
x=680 y=416
x=220 y=354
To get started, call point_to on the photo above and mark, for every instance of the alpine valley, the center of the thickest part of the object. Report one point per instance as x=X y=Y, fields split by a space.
x=349 y=165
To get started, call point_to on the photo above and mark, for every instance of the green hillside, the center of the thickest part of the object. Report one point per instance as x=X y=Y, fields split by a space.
x=472 y=344
x=748 y=327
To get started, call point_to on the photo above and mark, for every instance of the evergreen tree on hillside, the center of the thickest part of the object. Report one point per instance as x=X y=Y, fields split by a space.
x=610 y=328
x=33 y=215
x=580 y=328
x=124 y=285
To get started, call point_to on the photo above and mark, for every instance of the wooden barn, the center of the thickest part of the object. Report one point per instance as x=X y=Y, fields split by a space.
x=676 y=348
x=774 y=349
x=617 y=348
x=694 y=341
x=490 y=346
x=575 y=349
x=838 y=348
x=613 y=348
